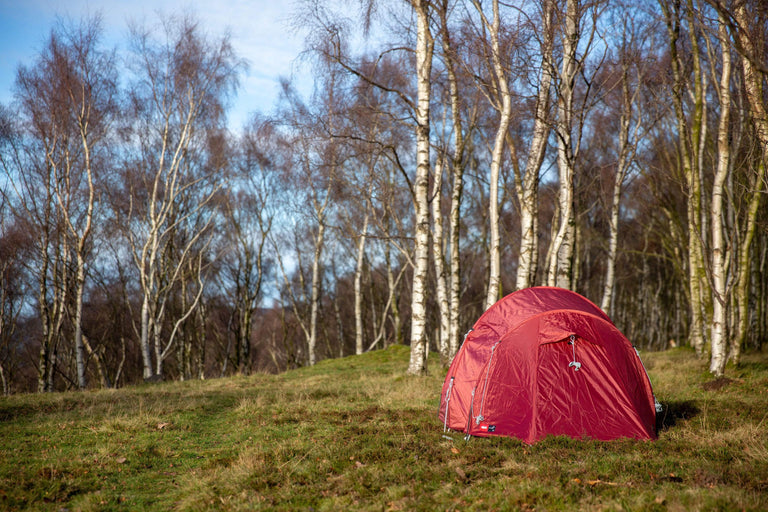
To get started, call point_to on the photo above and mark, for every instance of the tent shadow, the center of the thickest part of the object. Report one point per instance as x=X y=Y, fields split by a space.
x=675 y=412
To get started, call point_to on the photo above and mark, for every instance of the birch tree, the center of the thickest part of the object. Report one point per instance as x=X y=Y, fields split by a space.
x=438 y=257
x=691 y=138
x=14 y=248
x=718 y=335
x=457 y=169
x=250 y=216
x=419 y=185
x=361 y=234
x=501 y=99
x=562 y=246
x=527 y=183
x=745 y=22
x=89 y=81
x=65 y=101
x=182 y=82
x=424 y=50
x=748 y=36
x=634 y=121
x=313 y=172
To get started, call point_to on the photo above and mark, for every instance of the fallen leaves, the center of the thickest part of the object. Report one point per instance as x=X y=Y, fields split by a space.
x=593 y=483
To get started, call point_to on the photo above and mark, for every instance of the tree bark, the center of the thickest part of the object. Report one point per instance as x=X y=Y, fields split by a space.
x=438 y=257
x=503 y=104
x=689 y=140
x=627 y=147
x=719 y=313
x=424 y=47
x=457 y=187
x=358 y=285
x=561 y=263
x=528 y=184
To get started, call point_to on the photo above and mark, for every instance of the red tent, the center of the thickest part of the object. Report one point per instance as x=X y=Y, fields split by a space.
x=547 y=361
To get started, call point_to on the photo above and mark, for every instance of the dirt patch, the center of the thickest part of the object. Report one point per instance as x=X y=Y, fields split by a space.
x=717 y=384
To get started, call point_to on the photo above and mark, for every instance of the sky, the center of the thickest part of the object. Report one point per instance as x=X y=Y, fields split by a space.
x=260 y=33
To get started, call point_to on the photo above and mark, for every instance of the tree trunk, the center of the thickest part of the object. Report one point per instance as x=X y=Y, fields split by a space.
x=697 y=278
x=457 y=171
x=46 y=350
x=315 y=297
x=438 y=257
x=358 y=286
x=753 y=85
x=719 y=311
x=753 y=78
x=78 y=320
x=739 y=337
x=626 y=150
x=424 y=46
x=146 y=355
x=504 y=107
x=560 y=267
x=688 y=140
x=613 y=242
x=392 y=287
x=528 y=191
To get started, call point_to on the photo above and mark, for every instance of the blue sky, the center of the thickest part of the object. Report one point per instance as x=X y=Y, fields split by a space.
x=260 y=32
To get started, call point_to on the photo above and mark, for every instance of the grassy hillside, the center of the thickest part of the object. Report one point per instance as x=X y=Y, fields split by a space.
x=355 y=433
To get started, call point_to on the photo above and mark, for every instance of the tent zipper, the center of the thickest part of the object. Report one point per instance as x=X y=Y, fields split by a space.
x=469 y=416
x=447 y=404
x=485 y=386
x=656 y=404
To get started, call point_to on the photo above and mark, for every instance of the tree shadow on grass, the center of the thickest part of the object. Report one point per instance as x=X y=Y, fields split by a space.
x=675 y=412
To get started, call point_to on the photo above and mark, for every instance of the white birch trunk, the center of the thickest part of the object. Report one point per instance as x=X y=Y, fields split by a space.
x=689 y=162
x=146 y=355
x=528 y=185
x=753 y=79
x=745 y=269
x=438 y=257
x=358 y=286
x=622 y=166
x=753 y=82
x=455 y=259
x=79 y=346
x=504 y=106
x=457 y=170
x=315 y=295
x=81 y=241
x=560 y=267
x=613 y=242
x=424 y=46
x=697 y=278
x=719 y=311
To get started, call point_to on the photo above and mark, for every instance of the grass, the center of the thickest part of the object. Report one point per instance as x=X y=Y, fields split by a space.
x=356 y=433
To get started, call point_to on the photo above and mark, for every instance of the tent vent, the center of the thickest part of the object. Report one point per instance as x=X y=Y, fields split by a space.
x=574 y=364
